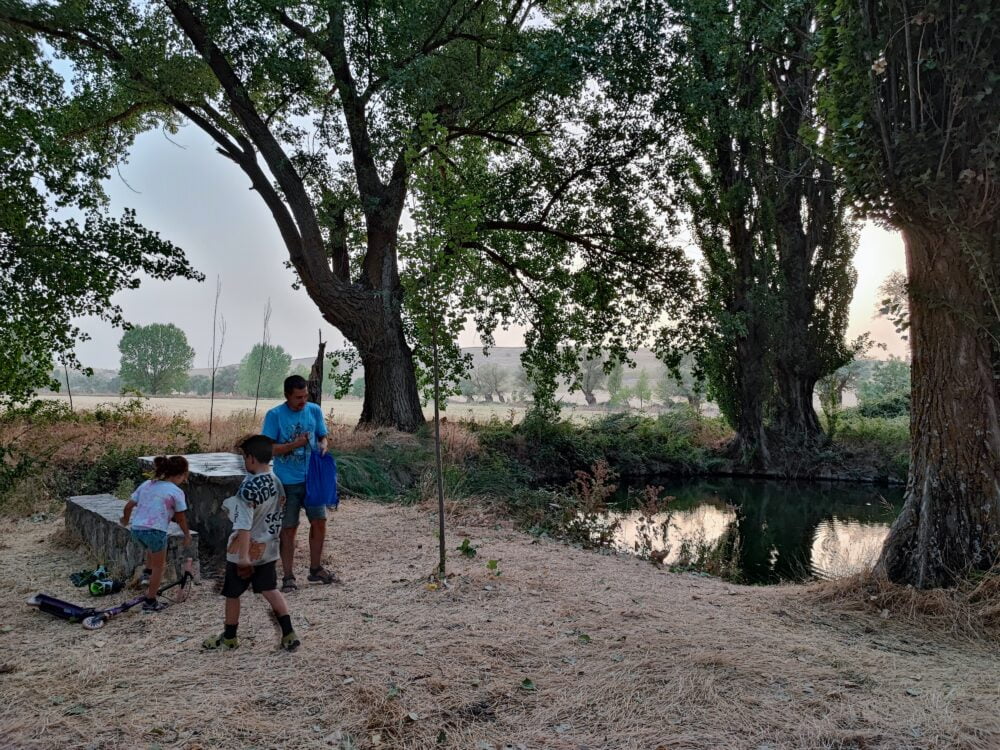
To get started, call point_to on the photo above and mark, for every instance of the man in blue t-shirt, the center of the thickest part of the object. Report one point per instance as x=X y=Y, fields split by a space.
x=297 y=428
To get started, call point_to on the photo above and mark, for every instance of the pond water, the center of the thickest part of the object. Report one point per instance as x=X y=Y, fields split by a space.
x=761 y=532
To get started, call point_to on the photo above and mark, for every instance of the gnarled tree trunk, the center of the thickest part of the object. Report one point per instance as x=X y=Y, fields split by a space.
x=950 y=522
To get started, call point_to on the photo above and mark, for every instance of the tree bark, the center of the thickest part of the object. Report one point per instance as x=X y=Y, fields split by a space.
x=950 y=522
x=391 y=396
x=751 y=445
x=315 y=382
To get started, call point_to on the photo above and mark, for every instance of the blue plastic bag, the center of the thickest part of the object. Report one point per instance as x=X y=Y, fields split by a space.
x=321 y=480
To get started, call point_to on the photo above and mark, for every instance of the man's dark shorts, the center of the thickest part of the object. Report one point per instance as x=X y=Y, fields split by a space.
x=264 y=578
x=295 y=501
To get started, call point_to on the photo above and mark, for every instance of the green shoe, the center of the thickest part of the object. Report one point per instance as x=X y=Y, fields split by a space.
x=290 y=642
x=220 y=642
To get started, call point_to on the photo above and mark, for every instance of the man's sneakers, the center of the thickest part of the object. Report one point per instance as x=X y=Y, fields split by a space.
x=322 y=575
x=290 y=642
x=220 y=643
x=153 y=605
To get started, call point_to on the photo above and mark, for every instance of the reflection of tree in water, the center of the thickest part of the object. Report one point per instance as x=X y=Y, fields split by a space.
x=773 y=530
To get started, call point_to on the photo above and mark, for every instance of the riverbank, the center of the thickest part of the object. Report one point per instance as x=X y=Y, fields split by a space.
x=565 y=648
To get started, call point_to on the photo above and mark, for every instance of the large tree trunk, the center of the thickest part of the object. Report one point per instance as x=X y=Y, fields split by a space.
x=950 y=522
x=750 y=446
x=391 y=396
x=806 y=217
x=795 y=418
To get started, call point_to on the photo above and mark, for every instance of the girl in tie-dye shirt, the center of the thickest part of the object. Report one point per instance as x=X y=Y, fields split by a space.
x=154 y=504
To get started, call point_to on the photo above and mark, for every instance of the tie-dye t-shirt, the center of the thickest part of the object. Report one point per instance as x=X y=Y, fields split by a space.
x=156 y=501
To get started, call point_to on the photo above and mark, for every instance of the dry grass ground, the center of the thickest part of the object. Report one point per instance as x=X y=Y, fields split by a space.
x=617 y=654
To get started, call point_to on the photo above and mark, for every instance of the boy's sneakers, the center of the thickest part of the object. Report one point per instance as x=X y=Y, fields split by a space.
x=290 y=642
x=220 y=642
x=153 y=606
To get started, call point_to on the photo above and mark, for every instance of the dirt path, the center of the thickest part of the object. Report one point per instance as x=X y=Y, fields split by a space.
x=617 y=654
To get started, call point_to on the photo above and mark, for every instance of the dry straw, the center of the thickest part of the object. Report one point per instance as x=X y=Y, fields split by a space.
x=564 y=649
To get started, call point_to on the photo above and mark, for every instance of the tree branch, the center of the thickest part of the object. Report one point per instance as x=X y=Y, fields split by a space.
x=309 y=256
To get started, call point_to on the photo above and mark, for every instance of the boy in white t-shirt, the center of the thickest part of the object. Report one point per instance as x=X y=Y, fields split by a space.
x=252 y=552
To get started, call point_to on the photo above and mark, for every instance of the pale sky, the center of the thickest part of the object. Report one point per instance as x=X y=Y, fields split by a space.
x=201 y=202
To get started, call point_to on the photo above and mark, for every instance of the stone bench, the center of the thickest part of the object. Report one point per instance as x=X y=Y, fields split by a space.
x=94 y=520
x=213 y=478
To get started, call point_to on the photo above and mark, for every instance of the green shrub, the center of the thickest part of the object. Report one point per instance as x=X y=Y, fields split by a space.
x=892 y=405
x=676 y=442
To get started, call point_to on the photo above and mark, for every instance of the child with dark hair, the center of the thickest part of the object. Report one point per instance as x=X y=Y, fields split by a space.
x=154 y=504
x=252 y=553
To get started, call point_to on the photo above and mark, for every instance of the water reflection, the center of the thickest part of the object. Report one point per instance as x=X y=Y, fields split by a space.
x=763 y=531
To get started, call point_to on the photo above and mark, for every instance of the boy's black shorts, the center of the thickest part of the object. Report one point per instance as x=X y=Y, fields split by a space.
x=264 y=578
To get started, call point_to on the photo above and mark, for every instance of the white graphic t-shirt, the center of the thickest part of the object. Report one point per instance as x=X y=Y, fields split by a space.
x=256 y=507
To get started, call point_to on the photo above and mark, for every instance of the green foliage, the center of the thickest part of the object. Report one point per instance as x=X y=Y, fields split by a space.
x=888 y=380
x=358 y=388
x=199 y=384
x=513 y=134
x=57 y=452
x=642 y=389
x=226 y=378
x=895 y=303
x=265 y=366
x=55 y=271
x=676 y=442
x=592 y=377
x=155 y=358
x=739 y=104
x=617 y=395
x=98 y=381
x=364 y=476
x=892 y=405
x=912 y=101
x=467 y=549
x=680 y=380
x=884 y=442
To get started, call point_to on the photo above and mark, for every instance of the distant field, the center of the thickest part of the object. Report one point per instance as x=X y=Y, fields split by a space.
x=347 y=410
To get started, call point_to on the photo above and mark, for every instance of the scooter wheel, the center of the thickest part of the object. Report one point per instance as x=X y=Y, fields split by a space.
x=94 y=622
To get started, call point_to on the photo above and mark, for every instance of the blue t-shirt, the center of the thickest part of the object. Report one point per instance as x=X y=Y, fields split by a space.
x=283 y=425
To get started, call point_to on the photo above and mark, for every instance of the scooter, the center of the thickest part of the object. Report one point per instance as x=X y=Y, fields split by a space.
x=94 y=619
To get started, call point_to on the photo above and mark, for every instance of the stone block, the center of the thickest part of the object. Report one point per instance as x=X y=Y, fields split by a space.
x=94 y=520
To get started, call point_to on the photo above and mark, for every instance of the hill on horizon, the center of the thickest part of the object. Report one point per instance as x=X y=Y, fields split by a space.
x=508 y=357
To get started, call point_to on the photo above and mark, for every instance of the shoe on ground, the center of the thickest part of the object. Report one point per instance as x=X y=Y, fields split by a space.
x=220 y=643
x=288 y=584
x=290 y=642
x=322 y=575
x=156 y=606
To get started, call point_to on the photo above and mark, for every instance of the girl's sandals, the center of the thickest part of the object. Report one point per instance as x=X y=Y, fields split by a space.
x=322 y=575
x=288 y=584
